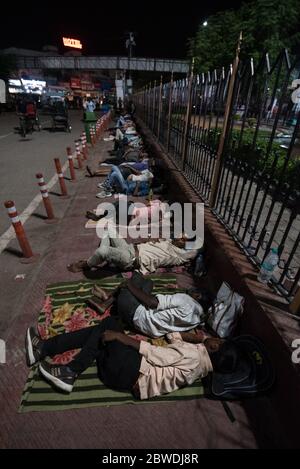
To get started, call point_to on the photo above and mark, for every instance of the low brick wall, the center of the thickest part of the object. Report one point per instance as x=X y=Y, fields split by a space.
x=266 y=314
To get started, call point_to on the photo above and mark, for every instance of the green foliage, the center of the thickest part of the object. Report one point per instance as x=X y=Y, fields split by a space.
x=268 y=25
x=258 y=156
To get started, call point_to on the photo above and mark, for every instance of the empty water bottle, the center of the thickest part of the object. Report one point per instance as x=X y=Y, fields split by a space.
x=268 y=266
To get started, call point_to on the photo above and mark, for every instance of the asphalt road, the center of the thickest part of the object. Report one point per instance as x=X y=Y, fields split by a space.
x=21 y=159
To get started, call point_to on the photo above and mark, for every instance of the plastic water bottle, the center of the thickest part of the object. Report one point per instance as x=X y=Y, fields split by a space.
x=200 y=268
x=150 y=195
x=268 y=266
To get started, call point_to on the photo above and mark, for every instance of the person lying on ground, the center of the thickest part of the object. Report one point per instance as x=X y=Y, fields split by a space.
x=122 y=181
x=93 y=216
x=152 y=209
x=146 y=257
x=125 y=364
x=124 y=154
x=139 y=163
x=158 y=315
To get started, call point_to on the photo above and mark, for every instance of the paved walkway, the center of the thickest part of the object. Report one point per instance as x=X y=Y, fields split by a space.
x=190 y=424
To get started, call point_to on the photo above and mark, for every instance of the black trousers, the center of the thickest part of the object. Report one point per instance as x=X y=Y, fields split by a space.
x=127 y=303
x=118 y=364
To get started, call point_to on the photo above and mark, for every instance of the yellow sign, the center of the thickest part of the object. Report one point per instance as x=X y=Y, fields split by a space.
x=68 y=42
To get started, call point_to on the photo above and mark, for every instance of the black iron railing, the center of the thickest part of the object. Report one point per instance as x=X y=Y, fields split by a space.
x=235 y=135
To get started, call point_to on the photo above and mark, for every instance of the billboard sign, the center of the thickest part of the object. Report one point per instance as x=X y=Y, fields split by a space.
x=75 y=83
x=74 y=43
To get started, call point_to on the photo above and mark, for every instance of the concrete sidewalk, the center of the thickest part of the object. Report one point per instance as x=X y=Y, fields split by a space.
x=189 y=424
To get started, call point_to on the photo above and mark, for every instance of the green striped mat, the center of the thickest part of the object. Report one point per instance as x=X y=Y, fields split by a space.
x=88 y=391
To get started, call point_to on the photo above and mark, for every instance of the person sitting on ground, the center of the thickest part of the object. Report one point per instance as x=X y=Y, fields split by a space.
x=158 y=315
x=125 y=364
x=147 y=257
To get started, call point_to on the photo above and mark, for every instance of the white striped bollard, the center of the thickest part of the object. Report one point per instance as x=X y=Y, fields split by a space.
x=28 y=256
x=78 y=154
x=63 y=187
x=92 y=135
x=83 y=146
x=46 y=199
x=71 y=164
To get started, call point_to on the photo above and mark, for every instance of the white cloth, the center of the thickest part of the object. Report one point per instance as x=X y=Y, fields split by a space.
x=144 y=176
x=165 y=369
x=174 y=313
x=161 y=254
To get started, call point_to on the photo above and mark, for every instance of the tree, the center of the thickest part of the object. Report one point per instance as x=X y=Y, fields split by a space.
x=7 y=65
x=267 y=25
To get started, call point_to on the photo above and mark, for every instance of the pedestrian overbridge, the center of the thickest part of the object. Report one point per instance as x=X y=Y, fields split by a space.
x=103 y=63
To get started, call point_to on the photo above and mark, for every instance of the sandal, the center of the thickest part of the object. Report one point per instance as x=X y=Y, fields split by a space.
x=98 y=305
x=100 y=293
x=92 y=216
x=79 y=266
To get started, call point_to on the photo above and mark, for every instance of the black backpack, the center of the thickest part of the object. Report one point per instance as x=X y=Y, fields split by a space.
x=247 y=372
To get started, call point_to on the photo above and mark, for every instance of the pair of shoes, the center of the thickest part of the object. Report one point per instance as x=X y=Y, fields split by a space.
x=103 y=195
x=60 y=375
x=33 y=346
x=105 y=186
x=109 y=139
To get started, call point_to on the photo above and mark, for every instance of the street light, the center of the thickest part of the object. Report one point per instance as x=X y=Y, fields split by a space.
x=205 y=23
x=130 y=43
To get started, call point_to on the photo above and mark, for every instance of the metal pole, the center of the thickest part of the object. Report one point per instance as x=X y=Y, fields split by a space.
x=170 y=112
x=217 y=170
x=295 y=305
x=148 y=104
x=153 y=105
x=188 y=116
x=159 y=106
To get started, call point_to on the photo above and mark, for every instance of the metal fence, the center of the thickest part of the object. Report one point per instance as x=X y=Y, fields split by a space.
x=235 y=136
x=103 y=63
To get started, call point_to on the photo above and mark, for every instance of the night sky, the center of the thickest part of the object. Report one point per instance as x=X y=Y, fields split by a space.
x=162 y=28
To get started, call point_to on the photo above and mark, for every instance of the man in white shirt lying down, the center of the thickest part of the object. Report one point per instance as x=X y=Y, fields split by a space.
x=146 y=257
x=157 y=315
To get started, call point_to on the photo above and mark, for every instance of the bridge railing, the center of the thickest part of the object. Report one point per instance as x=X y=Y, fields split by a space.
x=103 y=63
x=234 y=133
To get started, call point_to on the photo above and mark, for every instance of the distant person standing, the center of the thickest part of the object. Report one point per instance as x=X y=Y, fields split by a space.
x=131 y=108
x=21 y=106
x=90 y=105
x=120 y=104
